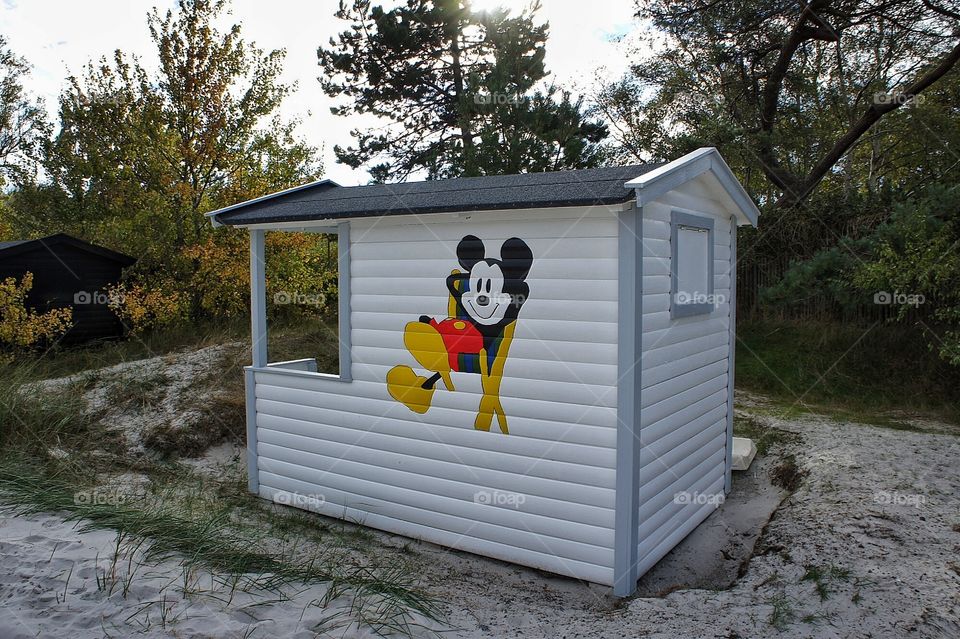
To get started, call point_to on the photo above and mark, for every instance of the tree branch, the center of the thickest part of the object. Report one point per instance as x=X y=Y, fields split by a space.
x=870 y=117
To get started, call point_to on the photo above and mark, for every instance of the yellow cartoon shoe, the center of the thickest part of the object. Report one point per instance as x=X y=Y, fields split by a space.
x=405 y=386
x=426 y=345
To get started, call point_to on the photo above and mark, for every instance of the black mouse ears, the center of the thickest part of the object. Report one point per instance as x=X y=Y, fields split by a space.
x=516 y=258
x=470 y=251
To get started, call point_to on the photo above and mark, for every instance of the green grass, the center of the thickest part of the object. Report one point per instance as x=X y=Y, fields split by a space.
x=317 y=339
x=219 y=528
x=34 y=419
x=51 y=448
x=824 y=578
x=870 y=375
x=63 y=361
x=764 y=437
x=783 y=614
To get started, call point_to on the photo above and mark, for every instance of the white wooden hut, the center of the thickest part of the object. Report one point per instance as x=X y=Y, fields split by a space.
x=536 y=368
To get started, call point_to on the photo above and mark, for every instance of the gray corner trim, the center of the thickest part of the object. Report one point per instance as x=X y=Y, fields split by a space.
x=253 y=468
x=678 y=219
x=731 y=366
x=629 y=340
x=258 y=298
x=343 y=295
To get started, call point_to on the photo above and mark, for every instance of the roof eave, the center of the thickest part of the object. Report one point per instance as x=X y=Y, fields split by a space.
x=62 y=238
x=651 y=186
x=293 y=224
x=263 y=198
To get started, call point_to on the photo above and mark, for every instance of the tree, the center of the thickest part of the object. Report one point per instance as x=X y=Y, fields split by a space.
x=798 y=87
x=169 y=146
x=23 y=123
x=140 y=156
x=457 y=89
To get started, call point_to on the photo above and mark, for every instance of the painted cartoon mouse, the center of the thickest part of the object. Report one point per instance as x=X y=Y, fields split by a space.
x=485 y=301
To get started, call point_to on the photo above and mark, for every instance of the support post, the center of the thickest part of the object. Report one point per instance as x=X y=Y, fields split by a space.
x=258 y=299
x=627 y=500
x=343 y=297
x=253 y=466
x=728 y=470
x=258 y=339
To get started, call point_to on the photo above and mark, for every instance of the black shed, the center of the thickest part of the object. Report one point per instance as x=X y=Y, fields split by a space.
x=68 y=272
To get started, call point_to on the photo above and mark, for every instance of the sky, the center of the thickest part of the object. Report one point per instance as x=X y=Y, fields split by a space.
x=58 y=37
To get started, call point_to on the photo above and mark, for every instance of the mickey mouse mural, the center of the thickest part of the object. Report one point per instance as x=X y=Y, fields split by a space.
x=485 y=301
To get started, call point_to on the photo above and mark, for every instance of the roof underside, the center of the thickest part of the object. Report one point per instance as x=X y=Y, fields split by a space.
x=327 y=201
x=19 y=247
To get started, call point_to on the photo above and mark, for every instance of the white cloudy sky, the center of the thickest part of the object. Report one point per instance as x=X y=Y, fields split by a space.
x=58 y=37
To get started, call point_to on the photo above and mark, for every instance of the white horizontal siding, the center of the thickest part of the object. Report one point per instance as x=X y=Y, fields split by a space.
x=684 y=384
x=373 y=460
x=471 y=536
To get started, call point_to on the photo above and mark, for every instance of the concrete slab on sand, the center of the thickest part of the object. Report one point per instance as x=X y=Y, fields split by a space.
x=712 y=555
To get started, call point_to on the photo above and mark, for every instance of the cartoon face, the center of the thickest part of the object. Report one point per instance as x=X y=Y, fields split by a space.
x=493 y=287
x=485 y=300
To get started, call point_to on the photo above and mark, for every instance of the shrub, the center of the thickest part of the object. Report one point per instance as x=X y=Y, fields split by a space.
x=24 y=328
x=143 y=308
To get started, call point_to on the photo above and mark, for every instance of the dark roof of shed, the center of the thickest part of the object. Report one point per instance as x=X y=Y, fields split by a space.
x=18 y=247
x=325 y=200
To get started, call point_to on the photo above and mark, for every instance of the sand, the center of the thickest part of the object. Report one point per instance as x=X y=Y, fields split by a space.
x=876 y=520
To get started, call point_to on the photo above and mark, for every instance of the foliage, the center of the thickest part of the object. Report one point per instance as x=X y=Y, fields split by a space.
x=457 y=90
x=23 y=124
x=141 y=308
x=301 y=268
x=856 y=371
x=22 y=327
x=917 y=255
x=912 y=261
x=141 y=155
x=794 y=90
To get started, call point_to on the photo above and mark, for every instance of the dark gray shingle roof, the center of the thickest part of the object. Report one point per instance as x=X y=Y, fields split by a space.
x=326 y=200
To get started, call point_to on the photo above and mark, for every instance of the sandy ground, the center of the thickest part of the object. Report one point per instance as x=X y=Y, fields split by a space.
x=175 y=402
x=876 y=520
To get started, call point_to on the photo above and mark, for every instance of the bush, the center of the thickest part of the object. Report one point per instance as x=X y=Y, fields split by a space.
x=22 y=328
x=910 y=264
x=141 y=308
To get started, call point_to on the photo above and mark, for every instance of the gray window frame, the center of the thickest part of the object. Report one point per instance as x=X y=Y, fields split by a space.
x=684 y=219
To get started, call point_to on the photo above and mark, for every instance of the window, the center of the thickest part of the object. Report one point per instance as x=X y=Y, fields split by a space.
x=691 y=264
x=312 y=346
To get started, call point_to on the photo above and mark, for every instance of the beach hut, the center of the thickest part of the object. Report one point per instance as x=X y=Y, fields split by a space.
x=536 y=368
x=68 y=272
